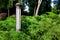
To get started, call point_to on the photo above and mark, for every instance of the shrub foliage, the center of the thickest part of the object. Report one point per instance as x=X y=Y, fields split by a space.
x=44 y=27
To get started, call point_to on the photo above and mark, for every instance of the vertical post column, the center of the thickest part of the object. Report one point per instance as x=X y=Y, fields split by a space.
x=18 y=17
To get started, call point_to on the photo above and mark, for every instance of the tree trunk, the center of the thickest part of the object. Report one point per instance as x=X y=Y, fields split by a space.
x=34 y=10
x=38 y=6
x=8 y=12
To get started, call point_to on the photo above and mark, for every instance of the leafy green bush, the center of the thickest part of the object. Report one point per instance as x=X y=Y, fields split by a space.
x=4 y=35
x=8 y=24
x=11 y=23
x=13 y=35
x=43 y=27
x=55 y=10
x=18 y=36
x=26 y=21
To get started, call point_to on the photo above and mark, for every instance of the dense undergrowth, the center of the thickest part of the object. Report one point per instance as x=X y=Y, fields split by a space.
x=44 y=27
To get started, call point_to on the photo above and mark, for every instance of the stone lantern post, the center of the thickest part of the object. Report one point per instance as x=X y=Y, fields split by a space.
x=18 y=16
